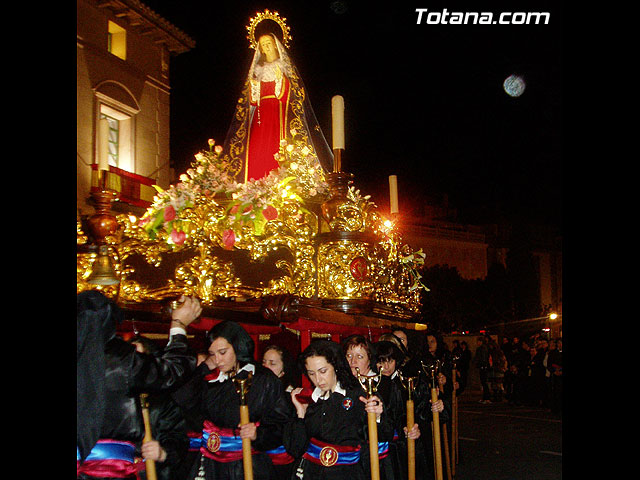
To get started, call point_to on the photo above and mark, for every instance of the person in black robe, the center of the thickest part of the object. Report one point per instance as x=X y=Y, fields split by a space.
x=283 y=365
x=168 y=425
x=110 y=374
x=361 y=355
x=436 y=352
x=215 y=396
x=389 y=356
x=330 y=430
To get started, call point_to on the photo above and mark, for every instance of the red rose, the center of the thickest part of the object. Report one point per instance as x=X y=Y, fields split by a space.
x=270 y=212
x=228 y=239
x=178 y=237
x=169 y=213
x=247 y=209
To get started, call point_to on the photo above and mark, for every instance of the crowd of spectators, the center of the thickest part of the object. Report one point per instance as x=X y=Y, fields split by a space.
x=524 y=371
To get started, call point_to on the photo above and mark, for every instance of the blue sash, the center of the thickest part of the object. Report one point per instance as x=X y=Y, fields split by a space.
x=333 y=454
x=111 y=450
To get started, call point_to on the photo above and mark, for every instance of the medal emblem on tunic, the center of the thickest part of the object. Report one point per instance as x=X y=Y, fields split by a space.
x=347 y=403
x=213 y=443
x=328 y=456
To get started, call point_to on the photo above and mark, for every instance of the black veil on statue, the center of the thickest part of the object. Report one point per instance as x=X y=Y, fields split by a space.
x=301 y=117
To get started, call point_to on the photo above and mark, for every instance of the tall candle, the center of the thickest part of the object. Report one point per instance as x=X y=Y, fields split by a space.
x=337 y=117
x=103 y=145
x=393 y=193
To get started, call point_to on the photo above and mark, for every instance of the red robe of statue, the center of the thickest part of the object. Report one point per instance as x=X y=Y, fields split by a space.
x=267 y=129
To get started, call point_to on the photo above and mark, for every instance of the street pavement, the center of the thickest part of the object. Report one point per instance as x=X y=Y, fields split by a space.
x=499 y=441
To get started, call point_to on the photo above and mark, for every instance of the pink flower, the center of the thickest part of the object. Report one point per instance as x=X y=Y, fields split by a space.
x=218 y=149
x=270 y=212
x=234 y=209
x=169 y=213
x=228 y=239
x=178 y=237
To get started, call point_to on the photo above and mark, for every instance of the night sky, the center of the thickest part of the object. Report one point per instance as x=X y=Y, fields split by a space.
x=424 y=102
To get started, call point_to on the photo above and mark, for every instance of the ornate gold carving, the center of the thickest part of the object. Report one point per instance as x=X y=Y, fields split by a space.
x=335 y=280
x=319 y=241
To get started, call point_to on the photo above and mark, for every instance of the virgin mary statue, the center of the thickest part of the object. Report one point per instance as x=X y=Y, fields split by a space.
x=273 y=106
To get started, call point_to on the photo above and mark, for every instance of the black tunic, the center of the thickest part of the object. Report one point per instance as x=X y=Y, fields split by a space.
x=391 y=398
x=127 y=373
x=338 y=420
x=400 y=461
x=220 y=404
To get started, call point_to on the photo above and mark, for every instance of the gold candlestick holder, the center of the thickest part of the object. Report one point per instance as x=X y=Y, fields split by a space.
x=102 y=224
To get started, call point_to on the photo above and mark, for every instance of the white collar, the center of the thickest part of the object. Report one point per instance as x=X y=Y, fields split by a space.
x=317 y=393
x=249 y=367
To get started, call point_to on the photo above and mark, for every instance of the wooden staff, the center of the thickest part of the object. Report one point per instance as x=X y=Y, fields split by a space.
x=371 y=388
x=436 y=436
x=447 y=458
x=409 y=384
x=454 y=422
x=432 y=373
x=242 y=387
x=150 y=465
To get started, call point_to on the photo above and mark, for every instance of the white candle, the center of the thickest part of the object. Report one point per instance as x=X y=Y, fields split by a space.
x=393 y=193
x=103 y=145
x=337 y=117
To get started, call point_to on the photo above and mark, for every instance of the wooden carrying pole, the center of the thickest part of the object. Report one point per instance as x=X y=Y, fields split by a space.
x=409 y=384
x=411 y=443
x=447 y=459
x=371 y=387
x=454 y=424
x=373 y=446
x=150 y=465
x=436 y=437
x=431 y=371
x=247 y=462
x=242 y=387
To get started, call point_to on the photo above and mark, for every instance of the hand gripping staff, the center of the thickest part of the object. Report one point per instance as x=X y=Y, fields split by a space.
x=150 y=465
x=242 y=388
x=431 y=371
x=409 y=384
x=371 y=388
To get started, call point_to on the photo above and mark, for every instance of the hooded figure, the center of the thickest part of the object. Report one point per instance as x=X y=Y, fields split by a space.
x=96 y=324
x=110 y=376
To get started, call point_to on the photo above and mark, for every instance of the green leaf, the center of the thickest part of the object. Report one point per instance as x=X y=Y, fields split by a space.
x=258 y=223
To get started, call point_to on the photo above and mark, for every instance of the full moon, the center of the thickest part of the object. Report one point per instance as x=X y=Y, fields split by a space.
x=514 y=85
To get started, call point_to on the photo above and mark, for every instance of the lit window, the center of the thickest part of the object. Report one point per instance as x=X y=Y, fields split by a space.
x=120 y=138
x=114 y=138
x=117 y=40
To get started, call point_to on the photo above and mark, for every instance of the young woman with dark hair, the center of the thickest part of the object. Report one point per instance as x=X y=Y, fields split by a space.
x=231 y=350
x=330 y=431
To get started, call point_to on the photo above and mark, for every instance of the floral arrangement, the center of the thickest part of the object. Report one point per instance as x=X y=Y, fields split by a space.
x=413 y=261
x=299 y=177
